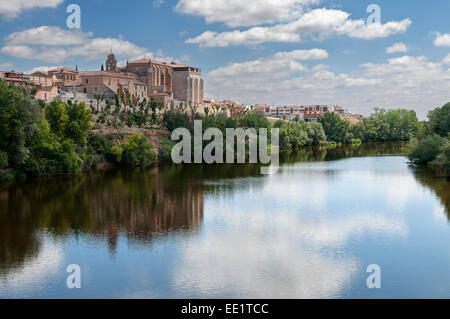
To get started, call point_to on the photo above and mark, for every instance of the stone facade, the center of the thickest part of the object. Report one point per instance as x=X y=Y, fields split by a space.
x=158 y=76
x=41 y=79
x=67 y=79
x=180 y=82
x=110 y=83
x=111 y=63
x=188 y=84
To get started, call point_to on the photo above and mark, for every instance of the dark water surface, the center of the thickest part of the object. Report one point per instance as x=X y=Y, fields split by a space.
x=309 y=231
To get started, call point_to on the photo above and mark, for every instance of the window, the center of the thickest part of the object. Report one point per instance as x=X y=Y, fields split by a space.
x=87 y=81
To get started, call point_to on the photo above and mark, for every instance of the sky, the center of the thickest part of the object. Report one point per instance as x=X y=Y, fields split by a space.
x=276 y=52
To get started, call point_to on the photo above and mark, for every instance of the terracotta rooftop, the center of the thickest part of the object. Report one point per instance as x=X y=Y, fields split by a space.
x=172 y=64
x=104 y=73
x=65 y=69
x=39 y=73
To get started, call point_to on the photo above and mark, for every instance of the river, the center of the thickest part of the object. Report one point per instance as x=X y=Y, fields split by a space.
x=226 y=231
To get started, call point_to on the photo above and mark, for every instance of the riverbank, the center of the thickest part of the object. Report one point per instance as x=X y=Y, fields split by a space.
x=39 y=139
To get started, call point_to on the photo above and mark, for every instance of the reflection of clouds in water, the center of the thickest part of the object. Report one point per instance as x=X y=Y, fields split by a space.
x=337 y=232
x=34 y=274
x=439 y=213
x=288 y=240
x=259 y=268
x=281 y=256
x=400 y=190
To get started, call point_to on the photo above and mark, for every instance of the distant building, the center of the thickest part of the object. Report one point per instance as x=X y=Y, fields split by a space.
x=187 y=83
x=158 y=76
x=309 y=113
x=66 y=79
x=16 y=78
x=42 y=80
x=111 y=63
x=313 y=116
x=111 y=83
x=180 y=82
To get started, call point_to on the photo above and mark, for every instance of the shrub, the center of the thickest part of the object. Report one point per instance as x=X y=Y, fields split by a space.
x=137 y=151
x=165 y=149
x=174 y=119
x=443 y=158
x=7 y=177
x=117 y=151
x=3 y=160
x=49 y=155
x=427 y=149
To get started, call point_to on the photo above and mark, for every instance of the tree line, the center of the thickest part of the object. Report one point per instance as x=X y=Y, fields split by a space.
x=39 y=139
x=432 y=147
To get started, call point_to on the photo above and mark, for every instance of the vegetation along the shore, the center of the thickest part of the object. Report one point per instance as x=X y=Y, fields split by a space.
x=432 y=147
x=41 y=139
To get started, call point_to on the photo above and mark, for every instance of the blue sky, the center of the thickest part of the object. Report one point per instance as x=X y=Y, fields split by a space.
x=256 y=51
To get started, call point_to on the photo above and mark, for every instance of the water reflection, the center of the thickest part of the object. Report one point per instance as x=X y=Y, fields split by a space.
x=222 y=231
x=437 y=184
x=138 y=204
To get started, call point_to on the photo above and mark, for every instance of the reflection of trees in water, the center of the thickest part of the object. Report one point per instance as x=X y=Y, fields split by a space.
x=136 y=203
x=18 y=240
x=438 y=184
x=317 y=154
x=139 y=203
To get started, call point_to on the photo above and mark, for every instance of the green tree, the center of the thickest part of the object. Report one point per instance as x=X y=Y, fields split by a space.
x=440 y=120
x=56 y=116
x=50 y=155
x=336 y=129
x=79 y=123
x=137 y=151
x=443 y=158
x=18 y=117
x=316 y=133
x=427 y=149
x=3 y=160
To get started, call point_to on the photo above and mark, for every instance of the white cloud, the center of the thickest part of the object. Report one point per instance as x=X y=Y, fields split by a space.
x=52 y=44
x=407 y=81
x=42 y=68
x=235 y=13
x=282 y=64
x=6 y=65
x=359 y=29
x=12 y=8
x=442 y=40
x=47 y=35
x=313 y=54
x=397 y=47
x=34 y=275
x=447 y=59
x=315 y=23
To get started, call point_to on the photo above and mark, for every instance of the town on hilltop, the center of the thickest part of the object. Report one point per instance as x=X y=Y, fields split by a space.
x=170 y=84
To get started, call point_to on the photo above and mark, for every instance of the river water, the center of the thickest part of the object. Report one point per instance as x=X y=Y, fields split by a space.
x=309 y=231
